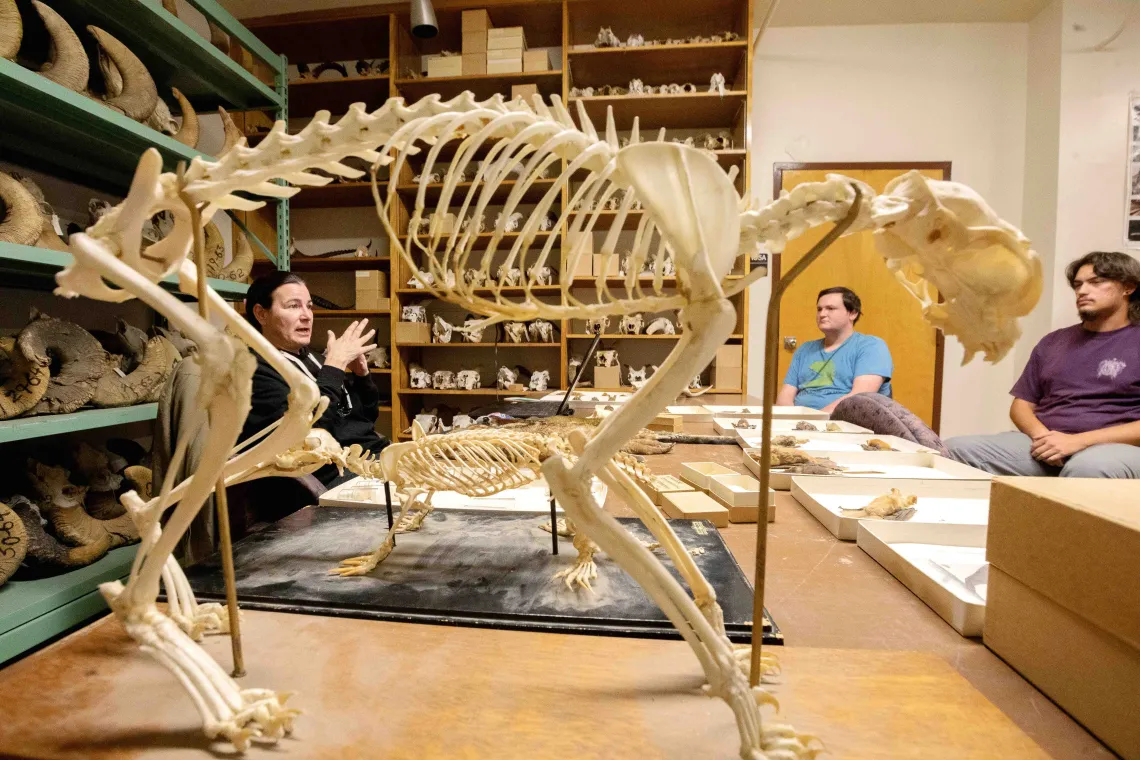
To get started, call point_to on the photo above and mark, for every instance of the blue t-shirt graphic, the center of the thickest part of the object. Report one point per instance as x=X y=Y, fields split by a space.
x=824 y=376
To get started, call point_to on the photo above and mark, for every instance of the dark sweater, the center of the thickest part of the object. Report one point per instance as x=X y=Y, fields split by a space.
x=350 y=417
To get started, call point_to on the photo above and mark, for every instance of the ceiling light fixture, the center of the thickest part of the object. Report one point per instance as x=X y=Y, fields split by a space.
x=424 y=24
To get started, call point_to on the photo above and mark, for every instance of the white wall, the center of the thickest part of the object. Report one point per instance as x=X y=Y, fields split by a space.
x=920 y=92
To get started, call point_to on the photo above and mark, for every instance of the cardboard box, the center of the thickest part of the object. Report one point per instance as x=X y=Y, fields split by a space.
x=536 y=60
x=727 y=378
x=506 y=37
x=585 y=266
x=445 y=66
x=1090 y=673
x=694 y=505
x=367 y=301
x=660 y=485
x=474 y=43
x=508 y=54
x=367 y=281
x=730 y=356
x=600 y=268
x=477 y=20
x=698 y=474
x=669 y=423
x=474 y=63
x=504 y=67
x=524 y=91
x=585 y=240
x=607 y=377
x=413 y=332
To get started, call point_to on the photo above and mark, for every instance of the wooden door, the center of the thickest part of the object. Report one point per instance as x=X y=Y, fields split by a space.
x=890 y=312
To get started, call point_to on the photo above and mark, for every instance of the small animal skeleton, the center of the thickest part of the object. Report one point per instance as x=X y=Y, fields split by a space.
x=877 y=444
x=413 y=312
x=505 y=378
x=468 y=380
x=540 y=331
x=889 y=506
x=443 y=380
x=540 y=380
x=606 y=358
x=805 y=425
x=441 y=330
x=547 y=224
x=631 y=324
x=515 y=332
x=418 y=377
x=661 y=325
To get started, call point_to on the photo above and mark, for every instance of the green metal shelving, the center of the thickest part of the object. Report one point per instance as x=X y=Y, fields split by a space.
x=25 y=428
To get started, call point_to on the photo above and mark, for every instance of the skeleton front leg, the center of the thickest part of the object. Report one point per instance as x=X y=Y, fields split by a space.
x=584 y=568
x=366 y=563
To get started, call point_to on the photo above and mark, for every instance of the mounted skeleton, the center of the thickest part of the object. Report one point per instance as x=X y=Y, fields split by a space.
x=693 y=215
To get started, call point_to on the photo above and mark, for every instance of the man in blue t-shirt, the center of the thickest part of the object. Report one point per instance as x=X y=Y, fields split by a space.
x=842 y=363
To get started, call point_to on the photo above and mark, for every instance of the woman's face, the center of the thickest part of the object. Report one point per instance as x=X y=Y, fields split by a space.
x=288 y=322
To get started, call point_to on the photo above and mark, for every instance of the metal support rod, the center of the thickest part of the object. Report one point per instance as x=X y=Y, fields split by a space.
x=771 y=366
x=581 y=368
x=221 y=504
x=553 y=525
x=388 y=505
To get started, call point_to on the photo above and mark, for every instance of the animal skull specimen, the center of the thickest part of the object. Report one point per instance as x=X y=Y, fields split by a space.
x=440 y=329
x=638 y=377
x=475 y=278
x=473 y=330
x=443 y=380
x=415 y=312
x=704 y=228
x=542 y=275
x=606 y=358
x=418 y=377
x=468 y=380
x=509 y=277
x=461 y=422
x=378 y=357
x=540 y=380
x=508 y=223
x=716 y=83
x=606 y=38
x=515 y=332
x=597 y=325
x=631 y=324
x=661 y=325
x=505 y=378
x=540 y=331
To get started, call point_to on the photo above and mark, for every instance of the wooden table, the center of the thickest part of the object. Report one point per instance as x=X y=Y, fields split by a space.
x=869 y=668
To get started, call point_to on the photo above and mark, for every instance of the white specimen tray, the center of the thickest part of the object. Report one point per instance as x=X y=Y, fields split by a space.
x=587 y=400
x=756 y=411
x=889 y=465
x=533 y=497
x=725 y=426
x=816 y=442
x=944 y=565
x=693 y=413
x=956 y=502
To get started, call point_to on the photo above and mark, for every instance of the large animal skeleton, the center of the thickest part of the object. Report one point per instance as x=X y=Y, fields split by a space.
x=981 y=266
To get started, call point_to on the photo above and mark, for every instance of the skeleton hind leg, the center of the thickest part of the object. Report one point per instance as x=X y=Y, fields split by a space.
x=366 y=563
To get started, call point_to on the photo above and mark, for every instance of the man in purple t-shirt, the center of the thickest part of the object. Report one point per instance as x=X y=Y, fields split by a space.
x=1077 y=404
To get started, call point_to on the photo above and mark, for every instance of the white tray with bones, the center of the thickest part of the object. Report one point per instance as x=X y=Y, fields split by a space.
x=756 y=411
x=839 y=503
x=750 y=427
x=533 y=497
x=902 y=465
x=818 y=442
x=943 y=565
x=589 y=399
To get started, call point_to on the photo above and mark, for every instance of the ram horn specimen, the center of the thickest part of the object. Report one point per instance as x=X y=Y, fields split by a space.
x=215 y=248
x=46 y=554
x=11 y=29
x=141 y=479
x=24 y=377
x=190 y=130
x=130 y=89
x=47 y=237
x=171 y=7
x=144 y=383
x=242 y=262
x=13 y=542
x=102 y=483
x=234 y=136
x=61 y=503
x=22 y=222
x=127 y=341
x=67 y=62
x=82 y=361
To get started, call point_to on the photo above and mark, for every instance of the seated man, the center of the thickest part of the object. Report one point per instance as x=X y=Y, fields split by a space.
x=1077 y=404
x=279 y=306
x=841 y=364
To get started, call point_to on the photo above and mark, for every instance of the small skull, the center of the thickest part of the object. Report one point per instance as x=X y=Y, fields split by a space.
x=378 y=357
x=415 y=312
x=606 y=38
x=429 y=421
x=574 y=366
x=597 y=325
x=418 y=377
x=441 y=330
x=506 y=378
x=515 y=332
x=631 y=324
x=510 y=223
x=476 y=278
x=540 y=380
x=540 y=331
x=461 y=421
x=509 y=277
x=716 y=83
x=443 y=380
x=469 y=379
x=542 y=275
x=471 y=333
x=606 y=358
x=636 y=377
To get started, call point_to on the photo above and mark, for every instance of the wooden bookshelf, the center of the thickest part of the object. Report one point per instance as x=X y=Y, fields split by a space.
x=335 y=94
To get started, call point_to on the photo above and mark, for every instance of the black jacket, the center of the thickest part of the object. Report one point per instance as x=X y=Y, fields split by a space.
x=351 y=414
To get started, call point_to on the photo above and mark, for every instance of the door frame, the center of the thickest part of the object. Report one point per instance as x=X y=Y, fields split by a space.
x=778 y=169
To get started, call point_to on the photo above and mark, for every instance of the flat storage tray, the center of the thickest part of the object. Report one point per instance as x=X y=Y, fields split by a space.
x=463 y=567
x=815 y=442
x=888 y=465
x=756 y=411
x=780 y=426
x=944 y=565
x=957 y=502
x=532 y=498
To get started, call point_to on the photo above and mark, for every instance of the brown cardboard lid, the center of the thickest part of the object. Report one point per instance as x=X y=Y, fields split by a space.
x=1110 y=498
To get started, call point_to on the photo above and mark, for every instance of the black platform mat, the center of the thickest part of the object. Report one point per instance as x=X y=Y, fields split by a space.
x=464 y=567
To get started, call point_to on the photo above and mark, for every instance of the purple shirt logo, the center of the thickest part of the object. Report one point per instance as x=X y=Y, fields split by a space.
x=1111 y=368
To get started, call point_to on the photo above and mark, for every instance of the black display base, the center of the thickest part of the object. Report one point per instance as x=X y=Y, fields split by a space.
x=465 y=567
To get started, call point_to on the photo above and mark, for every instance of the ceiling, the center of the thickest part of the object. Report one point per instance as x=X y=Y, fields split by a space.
x=788 y=12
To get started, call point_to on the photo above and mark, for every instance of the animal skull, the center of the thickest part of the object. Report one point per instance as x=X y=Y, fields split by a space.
x=378 y=357
x=415 y=312
x=443 y=380
x=540 y=331
x=631 y=324
x=471 y=333
x=418 y=377
x=597 y=325
x=430 y=422
x=540 y=380
x=509 y=276
x=661 y=325
x=542 y=275
x=515 y=332
x=606 y=38
x=506 y=378
x=461 y=421
x=510 y=223
x=441 y=330
x=636 y=377
x=469 y=379
x=573 y=366
x=606 y=358
x=636 y=87
x=475 y=277
x=716 y=83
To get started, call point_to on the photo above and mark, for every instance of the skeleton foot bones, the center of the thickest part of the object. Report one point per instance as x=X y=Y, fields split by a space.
x=938 y=238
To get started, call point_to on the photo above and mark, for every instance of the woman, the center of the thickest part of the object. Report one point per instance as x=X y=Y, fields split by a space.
x=278 y=305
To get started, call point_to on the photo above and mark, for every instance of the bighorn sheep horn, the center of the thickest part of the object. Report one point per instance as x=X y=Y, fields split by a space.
x=47 y=237
x=83 y=362
x=67 y=62
x=144 y=383
x=11 y=29
x=22 y=222
x=27 y=378
x=215 y=247
x=188 y=133
x=61 y=502
x=234 y=136
x=171 y=7
x=15 y=545
x=242 y=262
x=138 y=96
x=45 y=552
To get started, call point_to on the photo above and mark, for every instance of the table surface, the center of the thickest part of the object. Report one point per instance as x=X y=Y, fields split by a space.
x=868 y=667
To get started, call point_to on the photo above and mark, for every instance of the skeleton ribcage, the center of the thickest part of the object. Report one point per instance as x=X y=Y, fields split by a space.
x=475 y=463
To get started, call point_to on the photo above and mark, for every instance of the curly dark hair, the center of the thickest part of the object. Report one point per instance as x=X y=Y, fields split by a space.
x=261 y=292
x=1112 y=265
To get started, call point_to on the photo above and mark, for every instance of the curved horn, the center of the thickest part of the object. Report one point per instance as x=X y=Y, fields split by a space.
x=27 y=381
x=233 y=134
x=215 y=250
x=171 y=7
x=139 y=96
x=11 y=29
x=188 y=133
x=22 y=222
x=242 y=262
x=67 y=63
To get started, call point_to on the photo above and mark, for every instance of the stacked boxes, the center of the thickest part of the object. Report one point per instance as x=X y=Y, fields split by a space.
x=728 y=370
x=372 y=290
x=536 y=60
x=505 y=48
x=475 y=25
